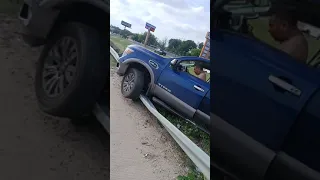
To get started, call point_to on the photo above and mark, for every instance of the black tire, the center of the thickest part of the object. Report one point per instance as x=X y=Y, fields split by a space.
x=133 y=92
x=86 y=79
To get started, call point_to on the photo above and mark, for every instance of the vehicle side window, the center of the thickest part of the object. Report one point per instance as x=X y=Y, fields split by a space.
x=198 y=69
x=261 y=27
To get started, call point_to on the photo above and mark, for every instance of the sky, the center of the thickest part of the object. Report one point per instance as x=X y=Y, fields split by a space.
x=182 y=19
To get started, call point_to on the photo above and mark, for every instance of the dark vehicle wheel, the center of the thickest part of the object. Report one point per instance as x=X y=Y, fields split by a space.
x=132 y=84
x=72 y=71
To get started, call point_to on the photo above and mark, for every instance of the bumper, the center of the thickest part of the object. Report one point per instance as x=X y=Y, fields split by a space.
x=122 y=68
x=37 y=22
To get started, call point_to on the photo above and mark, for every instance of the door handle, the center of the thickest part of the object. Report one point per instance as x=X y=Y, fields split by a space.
x=198 y=88
x=284 y=85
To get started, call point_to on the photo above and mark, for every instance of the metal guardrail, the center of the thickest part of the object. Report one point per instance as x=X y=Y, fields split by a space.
x=197 y=155
x=114 y=53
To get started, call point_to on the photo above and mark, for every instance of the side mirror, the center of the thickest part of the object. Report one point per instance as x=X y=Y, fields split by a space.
x=173 y=62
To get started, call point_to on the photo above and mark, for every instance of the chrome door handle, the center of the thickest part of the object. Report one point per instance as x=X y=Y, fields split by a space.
x=284 y=85
x=198 y=88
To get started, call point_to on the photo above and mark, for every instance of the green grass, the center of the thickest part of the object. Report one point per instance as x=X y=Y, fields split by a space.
x=199 y=137
x=121 y=43
x=192 y=174
x=10 y=7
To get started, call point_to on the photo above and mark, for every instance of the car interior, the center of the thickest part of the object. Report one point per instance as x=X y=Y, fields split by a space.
x=251 y=18
x=188 y=66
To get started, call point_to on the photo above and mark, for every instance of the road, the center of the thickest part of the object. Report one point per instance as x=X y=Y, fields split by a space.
x=139 y=147
x=34 y=145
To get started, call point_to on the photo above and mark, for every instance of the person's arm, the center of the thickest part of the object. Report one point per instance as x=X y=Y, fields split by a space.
x=203 y=76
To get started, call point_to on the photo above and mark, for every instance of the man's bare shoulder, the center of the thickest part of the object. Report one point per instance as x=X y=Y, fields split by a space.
x=297 y=47
x=203 y=76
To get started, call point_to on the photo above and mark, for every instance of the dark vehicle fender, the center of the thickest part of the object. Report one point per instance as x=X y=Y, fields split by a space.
x=124 y=66
x=46 y=13
x=33 y=16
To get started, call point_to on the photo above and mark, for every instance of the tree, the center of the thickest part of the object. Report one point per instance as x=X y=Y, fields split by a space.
x=115 y=29
x=125 y=33
x=200 y=45
x=173 y=45
x=185 y=47
x=153 y=40
x=138 y=37
x=195 y=52
x=163 y=43
x=135 y=37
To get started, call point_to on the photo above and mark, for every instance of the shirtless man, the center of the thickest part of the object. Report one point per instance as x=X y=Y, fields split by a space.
x=283 y=28
x=201 y=74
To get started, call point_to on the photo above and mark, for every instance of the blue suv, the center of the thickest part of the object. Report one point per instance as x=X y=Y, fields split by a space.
x=169 y=82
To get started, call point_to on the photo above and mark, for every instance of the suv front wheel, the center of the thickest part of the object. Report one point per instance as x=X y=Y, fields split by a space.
x=132 y=83
x=72 y=70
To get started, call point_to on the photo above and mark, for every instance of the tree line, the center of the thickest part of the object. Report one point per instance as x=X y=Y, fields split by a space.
x=174 y=45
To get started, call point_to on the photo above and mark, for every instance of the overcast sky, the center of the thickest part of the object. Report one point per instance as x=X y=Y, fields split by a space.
x=183 y=19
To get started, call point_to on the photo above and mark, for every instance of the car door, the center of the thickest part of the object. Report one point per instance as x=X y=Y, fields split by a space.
x=258 y=89
x=187 y=88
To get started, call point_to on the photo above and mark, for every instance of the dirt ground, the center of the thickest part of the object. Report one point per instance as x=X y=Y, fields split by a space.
x=36 y=146
x=33 y=145
x=139 y=147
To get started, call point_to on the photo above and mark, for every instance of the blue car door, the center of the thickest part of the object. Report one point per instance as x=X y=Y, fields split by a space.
x=186 y=87
x=256 y=88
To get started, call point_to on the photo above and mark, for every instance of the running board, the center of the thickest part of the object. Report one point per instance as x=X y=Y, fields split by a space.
x=164 y=105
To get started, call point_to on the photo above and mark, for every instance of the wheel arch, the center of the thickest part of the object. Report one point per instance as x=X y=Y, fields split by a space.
x=72 y=10
x=142 y=66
